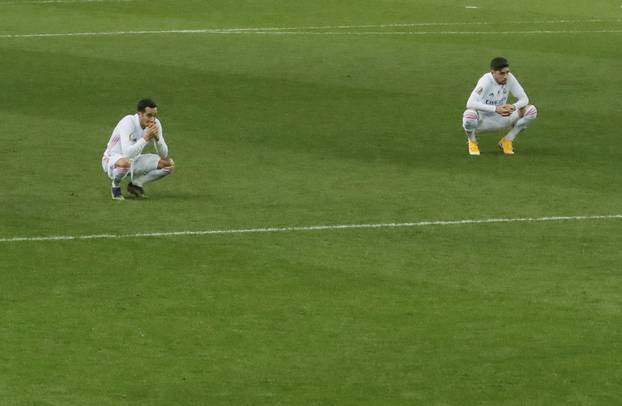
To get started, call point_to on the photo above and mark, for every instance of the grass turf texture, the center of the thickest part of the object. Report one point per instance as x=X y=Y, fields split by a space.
x=281 y=130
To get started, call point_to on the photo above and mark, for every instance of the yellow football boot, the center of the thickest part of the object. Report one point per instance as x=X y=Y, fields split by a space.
x=506 y=146
x=473 y=147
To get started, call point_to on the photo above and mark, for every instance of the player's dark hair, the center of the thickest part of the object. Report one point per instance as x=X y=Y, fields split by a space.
x=499 y=63
x=144 y=103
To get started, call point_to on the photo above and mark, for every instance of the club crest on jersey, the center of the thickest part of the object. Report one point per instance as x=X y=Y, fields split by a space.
x=480 y=90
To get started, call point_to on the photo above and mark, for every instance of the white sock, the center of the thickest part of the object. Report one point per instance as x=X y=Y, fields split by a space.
x=470 y=121
x=151 y=176
x=530 y=115
x=117 y=176
x=513 y=133
x=520 y=125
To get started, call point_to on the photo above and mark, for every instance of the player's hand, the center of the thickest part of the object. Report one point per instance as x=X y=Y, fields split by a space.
x=151 y=132
x=505 y=110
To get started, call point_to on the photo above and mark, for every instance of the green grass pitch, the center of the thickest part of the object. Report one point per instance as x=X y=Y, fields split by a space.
x=358 y=122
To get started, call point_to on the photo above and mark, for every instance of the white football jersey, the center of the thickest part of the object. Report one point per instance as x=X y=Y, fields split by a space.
x=488 y=94
x=127 y=139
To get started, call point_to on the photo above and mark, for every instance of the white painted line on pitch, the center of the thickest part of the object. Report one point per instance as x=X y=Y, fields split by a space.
x=471 y=7
x=2 y=3
x=302 y=33
x=309 y=228
x=109 y=33
x=419 y=24
x=308 y=30
x=413 y=33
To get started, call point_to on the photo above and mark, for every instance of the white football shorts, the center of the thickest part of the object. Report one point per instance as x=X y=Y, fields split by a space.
x=496 y=122
x=139 y=166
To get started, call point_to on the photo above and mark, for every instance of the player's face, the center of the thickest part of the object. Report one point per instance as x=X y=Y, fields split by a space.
x=148 y=116
x=501 y=76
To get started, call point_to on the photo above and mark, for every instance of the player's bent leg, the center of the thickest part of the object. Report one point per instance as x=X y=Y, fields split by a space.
x=470 y=122
x=157 y=174
x=527 y=115
x=149 y=168
x=122 y=163
x=118 y=174
x=120 y=170
x=117 y=168
x=167 y=163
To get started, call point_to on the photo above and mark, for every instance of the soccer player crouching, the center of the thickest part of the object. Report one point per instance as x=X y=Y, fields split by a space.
x=123 y=156
x=487 y=108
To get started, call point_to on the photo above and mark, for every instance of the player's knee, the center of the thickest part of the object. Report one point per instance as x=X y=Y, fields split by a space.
x=122 y=163
x=167 y=165
x=120 y=172
x=531 y=112
x=470 y=120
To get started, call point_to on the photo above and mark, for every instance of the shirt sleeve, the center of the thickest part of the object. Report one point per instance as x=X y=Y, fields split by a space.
x=475 y=100
x=129 y=150
x=517 y=91
x=160 y=144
